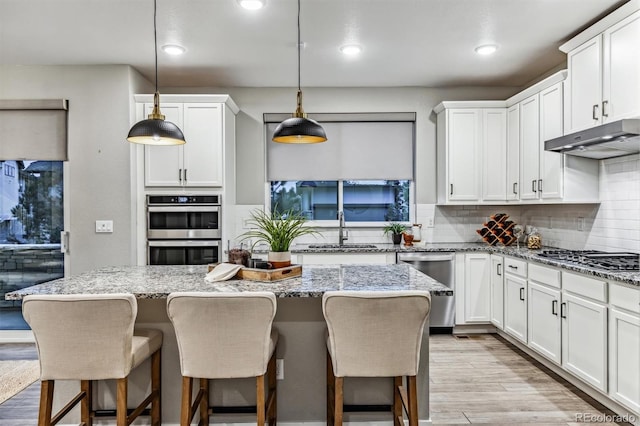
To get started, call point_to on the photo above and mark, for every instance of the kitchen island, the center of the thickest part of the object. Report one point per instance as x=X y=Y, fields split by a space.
x=301 y=395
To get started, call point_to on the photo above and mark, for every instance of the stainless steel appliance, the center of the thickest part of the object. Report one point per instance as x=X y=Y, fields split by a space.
x=183 y=229
x=596 y=259
x=439 y=266
x=608 y=140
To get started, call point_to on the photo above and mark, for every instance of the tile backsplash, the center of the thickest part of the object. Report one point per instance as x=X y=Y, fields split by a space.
x=613 y=225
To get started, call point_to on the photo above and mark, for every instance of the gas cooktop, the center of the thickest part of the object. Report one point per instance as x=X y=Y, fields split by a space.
x=596 y=259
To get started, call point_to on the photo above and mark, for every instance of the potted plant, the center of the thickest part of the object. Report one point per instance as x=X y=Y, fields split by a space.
x=278 y=231
x=396 y=230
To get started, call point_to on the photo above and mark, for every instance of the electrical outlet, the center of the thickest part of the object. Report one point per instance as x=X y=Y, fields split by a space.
x=104 y=226
x=279 y=369
x=580 y=221
x=429 y=222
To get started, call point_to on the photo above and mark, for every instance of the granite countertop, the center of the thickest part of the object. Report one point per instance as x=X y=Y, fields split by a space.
x=632 y=278
x=156 y=282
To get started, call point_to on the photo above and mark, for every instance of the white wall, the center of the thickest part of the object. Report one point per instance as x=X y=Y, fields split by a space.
x=97 y=175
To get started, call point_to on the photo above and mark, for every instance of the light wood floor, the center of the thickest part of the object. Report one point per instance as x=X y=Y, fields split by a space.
x=475 y=379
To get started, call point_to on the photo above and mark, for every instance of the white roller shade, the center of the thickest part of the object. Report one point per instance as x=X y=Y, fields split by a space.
x=33 y=130
x=353 y=151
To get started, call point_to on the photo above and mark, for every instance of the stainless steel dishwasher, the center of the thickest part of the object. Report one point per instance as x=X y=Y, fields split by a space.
x=440 y=267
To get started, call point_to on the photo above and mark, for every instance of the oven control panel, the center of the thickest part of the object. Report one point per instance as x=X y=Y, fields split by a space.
x=164 y=200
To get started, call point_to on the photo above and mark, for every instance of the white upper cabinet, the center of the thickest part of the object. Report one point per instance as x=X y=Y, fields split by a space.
x=513 y=152
x=471 y=138
x=551 y=163
x=494 y=154
x=197 y=163
x=529 y=147
x=603 y=84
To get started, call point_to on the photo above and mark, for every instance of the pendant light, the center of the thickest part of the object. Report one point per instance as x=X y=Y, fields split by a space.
x=299 y=128
x=155 y=130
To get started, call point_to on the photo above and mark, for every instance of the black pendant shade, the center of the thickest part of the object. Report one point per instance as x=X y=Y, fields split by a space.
x=299 y=128
x=155 y=130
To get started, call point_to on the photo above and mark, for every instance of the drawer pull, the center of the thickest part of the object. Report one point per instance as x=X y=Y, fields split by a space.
x=513 y=267
x=522 y=293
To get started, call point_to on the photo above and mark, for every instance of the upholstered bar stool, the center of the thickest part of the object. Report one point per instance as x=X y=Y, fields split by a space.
x=225 y=336
x=375 y=334
x=89 y=338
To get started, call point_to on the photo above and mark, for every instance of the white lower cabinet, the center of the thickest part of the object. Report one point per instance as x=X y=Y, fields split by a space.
x=497 y=291
x=624 y=346
x=472 y=287
x=584 y=339
x=544 y=321
x=515 y=306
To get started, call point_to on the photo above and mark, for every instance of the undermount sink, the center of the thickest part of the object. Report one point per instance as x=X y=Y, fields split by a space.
x=342 y=246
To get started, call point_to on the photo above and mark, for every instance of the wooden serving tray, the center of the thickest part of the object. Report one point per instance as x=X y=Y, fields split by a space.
x=270 y=274
x=254 y=274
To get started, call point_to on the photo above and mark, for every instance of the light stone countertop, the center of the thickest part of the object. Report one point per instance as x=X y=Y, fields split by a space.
x=156 y=282
x=628 y=277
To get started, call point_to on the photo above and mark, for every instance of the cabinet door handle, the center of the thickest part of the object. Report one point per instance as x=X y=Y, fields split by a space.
x=554 y=307
x=515 y=188
x=540 y=185
x=534 y=184
x=185 y=175
x=594 y=112
x=180 y=175
x=562 y=308
x=450 y=189
x=499 y=269
x=605 y=113
x=522 y=293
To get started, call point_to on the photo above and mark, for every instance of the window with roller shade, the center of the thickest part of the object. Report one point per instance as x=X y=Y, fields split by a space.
x=364 y=169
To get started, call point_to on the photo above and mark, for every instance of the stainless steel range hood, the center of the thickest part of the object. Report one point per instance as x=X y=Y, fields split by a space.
x=609 y=140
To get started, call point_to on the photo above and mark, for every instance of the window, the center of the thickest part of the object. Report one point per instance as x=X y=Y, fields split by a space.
x=361 y=201
x=365 y=169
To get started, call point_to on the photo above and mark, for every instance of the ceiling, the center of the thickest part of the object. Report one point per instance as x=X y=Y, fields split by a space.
x=405 y=42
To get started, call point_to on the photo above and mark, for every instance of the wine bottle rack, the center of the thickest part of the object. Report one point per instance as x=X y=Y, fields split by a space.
x=498 y=230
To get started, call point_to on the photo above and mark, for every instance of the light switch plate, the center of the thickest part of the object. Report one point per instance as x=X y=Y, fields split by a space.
x=104 y=226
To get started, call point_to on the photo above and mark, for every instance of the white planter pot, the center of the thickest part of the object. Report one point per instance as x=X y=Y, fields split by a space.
x=279 y=259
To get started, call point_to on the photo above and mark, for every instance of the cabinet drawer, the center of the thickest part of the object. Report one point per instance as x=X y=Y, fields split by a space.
x=515 y=267
x=585 y=286
x=624 y=297
x=544 y=275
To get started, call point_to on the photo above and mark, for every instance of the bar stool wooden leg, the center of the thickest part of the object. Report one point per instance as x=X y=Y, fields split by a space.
x=338 y=401
x=46 y=403
x=272 y=401
x=260 y=412
x=413 y=400
x=86 y=404
x=156 y=379
x=330 y=390
x=185 y=408
x=397 y=401
x=204 y=402
x=121 y=402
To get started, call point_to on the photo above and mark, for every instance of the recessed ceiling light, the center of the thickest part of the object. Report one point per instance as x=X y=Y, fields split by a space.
x=252 y=4
x=173 y=49
x=486 y=49
x=351 y=49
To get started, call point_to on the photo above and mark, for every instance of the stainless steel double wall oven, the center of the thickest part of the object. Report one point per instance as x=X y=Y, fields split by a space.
x=183 y=229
